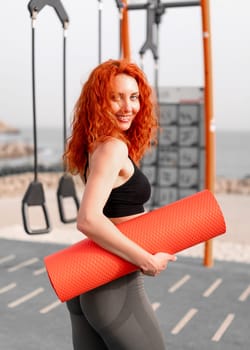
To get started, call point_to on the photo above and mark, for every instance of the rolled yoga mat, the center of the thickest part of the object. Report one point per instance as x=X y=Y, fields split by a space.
x=171 y=228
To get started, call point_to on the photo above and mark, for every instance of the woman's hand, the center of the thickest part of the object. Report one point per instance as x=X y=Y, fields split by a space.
x=157 y=263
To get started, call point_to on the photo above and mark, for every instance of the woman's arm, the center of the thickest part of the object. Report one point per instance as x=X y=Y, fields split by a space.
x=105 y=164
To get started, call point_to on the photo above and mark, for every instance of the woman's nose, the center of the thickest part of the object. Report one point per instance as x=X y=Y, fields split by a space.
x=126 y=105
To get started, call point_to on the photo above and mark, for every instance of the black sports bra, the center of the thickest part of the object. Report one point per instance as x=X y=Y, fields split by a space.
x=129 y=198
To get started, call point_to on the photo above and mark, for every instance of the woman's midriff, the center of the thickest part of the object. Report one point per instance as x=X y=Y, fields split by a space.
x=125 y=218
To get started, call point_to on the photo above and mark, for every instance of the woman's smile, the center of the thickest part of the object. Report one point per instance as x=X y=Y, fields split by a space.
x=124 y=118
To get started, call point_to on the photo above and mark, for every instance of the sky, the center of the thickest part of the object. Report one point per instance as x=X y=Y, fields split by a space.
x=180 y=56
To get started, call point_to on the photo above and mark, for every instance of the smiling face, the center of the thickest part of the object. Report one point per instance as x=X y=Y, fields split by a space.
x=124 y=102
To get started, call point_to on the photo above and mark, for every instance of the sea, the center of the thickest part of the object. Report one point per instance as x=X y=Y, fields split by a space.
x=232 y=151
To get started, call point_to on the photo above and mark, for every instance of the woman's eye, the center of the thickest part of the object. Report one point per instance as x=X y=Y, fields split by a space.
x=134 y=97
x=115 y=98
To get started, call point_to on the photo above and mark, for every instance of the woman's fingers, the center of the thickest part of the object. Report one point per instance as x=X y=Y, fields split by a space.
x=160 y=263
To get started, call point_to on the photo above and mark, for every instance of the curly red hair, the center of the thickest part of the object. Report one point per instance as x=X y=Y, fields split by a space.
x=93 y=121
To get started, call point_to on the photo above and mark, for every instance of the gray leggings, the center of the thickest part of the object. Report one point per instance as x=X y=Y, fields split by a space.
x=116 y=316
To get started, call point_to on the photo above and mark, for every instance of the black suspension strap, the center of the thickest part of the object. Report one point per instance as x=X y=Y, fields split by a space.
x=100 y=9
x=66 y=187
x=34 y=195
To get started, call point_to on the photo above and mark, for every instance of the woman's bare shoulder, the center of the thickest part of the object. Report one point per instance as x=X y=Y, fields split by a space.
x=111 y=150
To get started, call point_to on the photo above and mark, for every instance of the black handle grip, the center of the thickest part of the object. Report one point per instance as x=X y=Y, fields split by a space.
x=66 y=189
x=34 y=196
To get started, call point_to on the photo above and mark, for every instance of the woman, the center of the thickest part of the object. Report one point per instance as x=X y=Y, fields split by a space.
x=114 y=123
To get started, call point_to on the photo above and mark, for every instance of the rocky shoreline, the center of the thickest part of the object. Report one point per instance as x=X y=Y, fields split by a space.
x=17 y=184
x=14 y=181
x=232 y=186
x=11 y=150
x=7 y=129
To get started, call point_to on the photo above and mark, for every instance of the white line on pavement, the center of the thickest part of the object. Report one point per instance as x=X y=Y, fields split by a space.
x=7 y=288
x=155 y=305
x=7 y=258
x=212 y=288
x=223 y=327
x=39 y=271
x=25 y=298
x=245 y=294
x=50 y=307
x=178 y=284
x=23 y=264
x=182 y=323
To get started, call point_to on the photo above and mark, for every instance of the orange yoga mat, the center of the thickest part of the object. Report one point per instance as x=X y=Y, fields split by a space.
x=171 y=228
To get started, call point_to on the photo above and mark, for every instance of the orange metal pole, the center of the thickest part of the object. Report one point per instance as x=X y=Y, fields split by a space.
x=208 y=101
x=209 y=118
x=125 y=39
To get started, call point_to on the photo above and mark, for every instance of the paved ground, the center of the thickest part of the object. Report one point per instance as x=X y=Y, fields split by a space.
x=198 y=308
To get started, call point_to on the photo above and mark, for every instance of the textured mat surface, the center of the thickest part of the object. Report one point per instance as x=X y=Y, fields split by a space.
x=171 y=228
